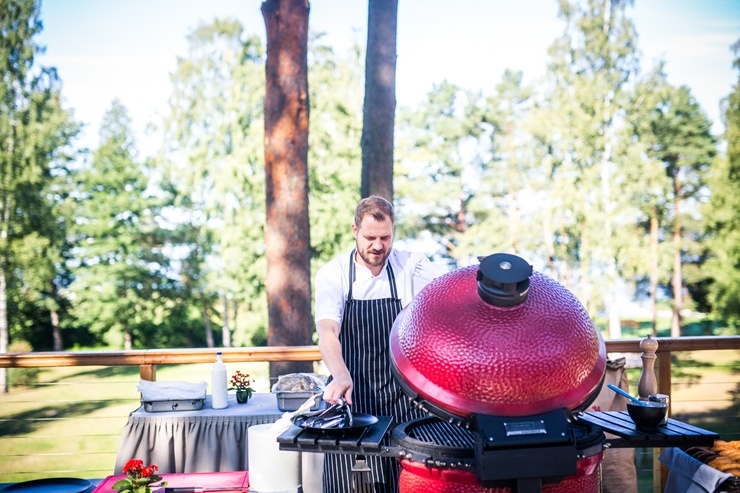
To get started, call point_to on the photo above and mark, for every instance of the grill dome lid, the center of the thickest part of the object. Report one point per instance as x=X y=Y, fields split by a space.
x=497 y=339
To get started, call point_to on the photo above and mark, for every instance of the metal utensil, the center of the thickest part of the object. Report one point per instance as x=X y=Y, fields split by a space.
x=625 y=394
x=315 y=418
x=348 y=412
x=338 y=415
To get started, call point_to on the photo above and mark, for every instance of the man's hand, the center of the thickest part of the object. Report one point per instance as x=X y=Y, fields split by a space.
x=340 y=386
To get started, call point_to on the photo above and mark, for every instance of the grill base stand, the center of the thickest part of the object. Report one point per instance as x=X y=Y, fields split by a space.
x=526 y=466
x=527 y=449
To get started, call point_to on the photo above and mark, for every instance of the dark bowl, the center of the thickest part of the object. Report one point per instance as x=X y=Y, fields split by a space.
x=647 y=417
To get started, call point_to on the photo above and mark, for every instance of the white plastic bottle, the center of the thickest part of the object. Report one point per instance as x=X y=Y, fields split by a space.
x=219 y=396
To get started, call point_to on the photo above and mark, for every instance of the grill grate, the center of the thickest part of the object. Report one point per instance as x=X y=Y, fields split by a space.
x=443 y=434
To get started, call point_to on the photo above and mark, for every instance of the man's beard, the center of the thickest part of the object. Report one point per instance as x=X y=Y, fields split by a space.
x=372 y=261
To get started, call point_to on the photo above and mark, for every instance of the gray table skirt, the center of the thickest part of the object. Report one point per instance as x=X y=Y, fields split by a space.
x=208 y=440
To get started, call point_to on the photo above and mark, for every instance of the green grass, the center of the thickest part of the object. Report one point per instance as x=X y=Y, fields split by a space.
x=70 y=422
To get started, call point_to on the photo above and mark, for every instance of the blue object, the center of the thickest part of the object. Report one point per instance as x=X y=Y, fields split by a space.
x=625 y=394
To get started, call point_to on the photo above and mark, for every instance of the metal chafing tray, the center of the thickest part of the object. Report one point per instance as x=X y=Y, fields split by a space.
x=173 y=405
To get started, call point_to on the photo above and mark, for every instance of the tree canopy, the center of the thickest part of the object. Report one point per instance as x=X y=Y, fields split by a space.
x=606 y=179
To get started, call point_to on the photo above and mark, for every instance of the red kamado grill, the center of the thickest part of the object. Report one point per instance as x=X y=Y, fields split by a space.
x=506 y=361
x=508 y=354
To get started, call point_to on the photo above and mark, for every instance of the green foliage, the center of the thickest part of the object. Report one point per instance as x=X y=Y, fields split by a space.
x=433 y=177
x=721 y=218
x=35 y=138
x=569 y=172
x=122 y=280
x=591 y=66
x=335 y=126
x=213 y=168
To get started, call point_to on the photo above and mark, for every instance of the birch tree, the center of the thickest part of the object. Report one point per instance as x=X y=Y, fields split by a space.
x=32 y=126
x=213 y=170
x=591 y=66
x=721 y=217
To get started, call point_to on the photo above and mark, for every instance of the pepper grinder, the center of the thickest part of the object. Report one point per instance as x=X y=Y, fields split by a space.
x=648 y=384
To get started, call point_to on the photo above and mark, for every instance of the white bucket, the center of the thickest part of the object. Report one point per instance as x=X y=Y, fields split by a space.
x=271 y=470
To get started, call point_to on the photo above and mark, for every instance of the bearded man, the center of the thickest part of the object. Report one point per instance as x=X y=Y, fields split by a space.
x=358 y=296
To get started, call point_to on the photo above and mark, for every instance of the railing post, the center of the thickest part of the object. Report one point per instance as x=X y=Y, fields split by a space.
x=148 y=372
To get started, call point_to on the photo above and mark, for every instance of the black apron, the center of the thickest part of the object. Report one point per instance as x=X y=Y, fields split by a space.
x=366 y=327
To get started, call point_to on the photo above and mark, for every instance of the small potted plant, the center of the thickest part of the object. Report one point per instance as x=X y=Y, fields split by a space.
x=241 y=383
x=139 y=478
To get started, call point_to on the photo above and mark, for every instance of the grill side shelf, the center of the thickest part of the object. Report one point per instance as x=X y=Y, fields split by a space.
x=356 y=440
x=673 y=434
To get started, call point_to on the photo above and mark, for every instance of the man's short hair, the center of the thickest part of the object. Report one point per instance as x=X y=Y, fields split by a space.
x=378 y=207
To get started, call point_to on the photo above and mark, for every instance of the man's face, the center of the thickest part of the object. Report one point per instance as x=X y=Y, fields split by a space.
x=374 y=240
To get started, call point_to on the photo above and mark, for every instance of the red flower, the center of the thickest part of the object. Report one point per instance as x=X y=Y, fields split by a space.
x=134 y=465
x=240 y=381
x=138 y=478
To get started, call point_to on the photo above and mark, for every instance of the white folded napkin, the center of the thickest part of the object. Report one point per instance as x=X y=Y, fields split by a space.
x=171 y=390
x=286 y=419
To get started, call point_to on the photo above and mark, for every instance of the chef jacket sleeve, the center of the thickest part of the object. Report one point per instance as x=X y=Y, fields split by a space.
x=329 y=299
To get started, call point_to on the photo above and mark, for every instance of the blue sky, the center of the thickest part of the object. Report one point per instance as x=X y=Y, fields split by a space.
x=127 y=48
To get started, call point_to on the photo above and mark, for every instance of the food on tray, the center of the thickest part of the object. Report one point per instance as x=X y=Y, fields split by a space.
x=733 y=454
x=299 y=382
x=722 y=445
x=722 y=455
x=723 y=464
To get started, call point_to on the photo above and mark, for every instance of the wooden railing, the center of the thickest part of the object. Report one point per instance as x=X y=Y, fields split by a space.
x=148 y=359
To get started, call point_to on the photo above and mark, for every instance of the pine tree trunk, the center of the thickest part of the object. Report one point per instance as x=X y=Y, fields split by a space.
x=128 y=338
x=379 y=107
x=56 y=330
x=287 y=239
x=4 y=248
x=206 y=321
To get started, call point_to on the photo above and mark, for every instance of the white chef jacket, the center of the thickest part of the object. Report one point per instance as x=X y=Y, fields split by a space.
x=412 y=271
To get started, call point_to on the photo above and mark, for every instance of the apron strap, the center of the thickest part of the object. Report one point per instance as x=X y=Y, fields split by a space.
x=351 y=273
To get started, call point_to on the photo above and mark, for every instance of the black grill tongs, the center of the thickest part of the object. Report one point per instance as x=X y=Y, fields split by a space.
x=338 y=415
